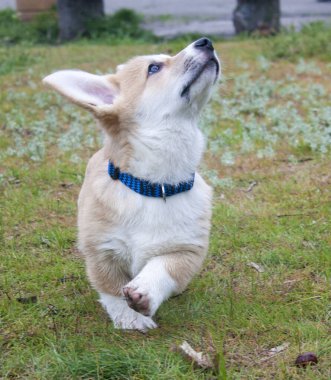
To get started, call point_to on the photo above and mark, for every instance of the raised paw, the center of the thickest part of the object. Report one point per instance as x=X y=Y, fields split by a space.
x=136 y=300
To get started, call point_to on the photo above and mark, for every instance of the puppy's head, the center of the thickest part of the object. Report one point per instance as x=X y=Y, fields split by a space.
x=145 y=88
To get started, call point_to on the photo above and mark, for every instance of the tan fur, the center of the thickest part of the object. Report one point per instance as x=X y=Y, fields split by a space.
x=183 y=263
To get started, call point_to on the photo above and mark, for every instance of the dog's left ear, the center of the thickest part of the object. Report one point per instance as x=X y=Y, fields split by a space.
x=86 y=90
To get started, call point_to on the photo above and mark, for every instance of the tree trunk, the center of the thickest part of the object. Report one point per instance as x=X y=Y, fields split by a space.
x=262 y=16
x=74 y=13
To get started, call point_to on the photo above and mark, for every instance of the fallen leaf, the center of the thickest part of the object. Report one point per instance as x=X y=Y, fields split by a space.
x=305 y=359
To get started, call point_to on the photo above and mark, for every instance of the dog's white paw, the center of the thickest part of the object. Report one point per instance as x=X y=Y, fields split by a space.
x=131 y=320
x=124 y=317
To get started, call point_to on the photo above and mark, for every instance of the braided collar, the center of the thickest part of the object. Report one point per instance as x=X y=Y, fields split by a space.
x=149 y=189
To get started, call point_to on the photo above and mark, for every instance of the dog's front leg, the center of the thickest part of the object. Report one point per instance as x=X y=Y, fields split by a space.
x=108 y=277
x=162 y=277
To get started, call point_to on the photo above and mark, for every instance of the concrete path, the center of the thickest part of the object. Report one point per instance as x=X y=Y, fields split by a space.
x=169 y=18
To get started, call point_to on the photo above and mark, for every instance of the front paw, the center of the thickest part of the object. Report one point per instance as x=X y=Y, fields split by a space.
x=137 y=300
x=134 y=321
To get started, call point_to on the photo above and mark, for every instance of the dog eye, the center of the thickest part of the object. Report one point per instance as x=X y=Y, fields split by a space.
x=153 y=68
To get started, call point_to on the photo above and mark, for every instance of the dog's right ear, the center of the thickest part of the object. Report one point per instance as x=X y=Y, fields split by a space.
x=86 y=90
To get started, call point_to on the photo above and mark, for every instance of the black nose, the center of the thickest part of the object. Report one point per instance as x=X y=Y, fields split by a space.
x=204 y=43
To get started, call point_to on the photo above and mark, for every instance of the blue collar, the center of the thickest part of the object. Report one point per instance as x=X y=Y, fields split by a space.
x=149 y=189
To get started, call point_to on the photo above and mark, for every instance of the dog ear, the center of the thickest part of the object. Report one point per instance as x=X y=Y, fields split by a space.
x=86 y=90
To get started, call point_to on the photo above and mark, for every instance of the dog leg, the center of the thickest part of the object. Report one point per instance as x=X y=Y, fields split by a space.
x=108 y=277
x=160 y=278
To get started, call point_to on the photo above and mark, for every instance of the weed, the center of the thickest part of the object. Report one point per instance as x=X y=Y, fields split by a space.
x=125 y=23
x=313 y=39
x=12 y=30
x=42 y=29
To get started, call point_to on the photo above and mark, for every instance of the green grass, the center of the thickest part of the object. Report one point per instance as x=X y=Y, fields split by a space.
x=230 y=311
x=313 y=39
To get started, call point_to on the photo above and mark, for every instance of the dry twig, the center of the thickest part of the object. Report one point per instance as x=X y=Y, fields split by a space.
x=257 y=267
x=198 y=358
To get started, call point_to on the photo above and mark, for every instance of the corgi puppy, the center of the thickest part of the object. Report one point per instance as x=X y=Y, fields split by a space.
x=143 y=210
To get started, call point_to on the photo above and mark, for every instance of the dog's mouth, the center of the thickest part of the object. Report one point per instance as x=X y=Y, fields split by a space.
x=210 y=63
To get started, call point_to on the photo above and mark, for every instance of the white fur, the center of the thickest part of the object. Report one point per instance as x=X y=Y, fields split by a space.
x=146 y=224
x=177 y=143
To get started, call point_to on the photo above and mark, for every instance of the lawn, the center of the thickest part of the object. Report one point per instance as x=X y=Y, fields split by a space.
x=266 y=281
